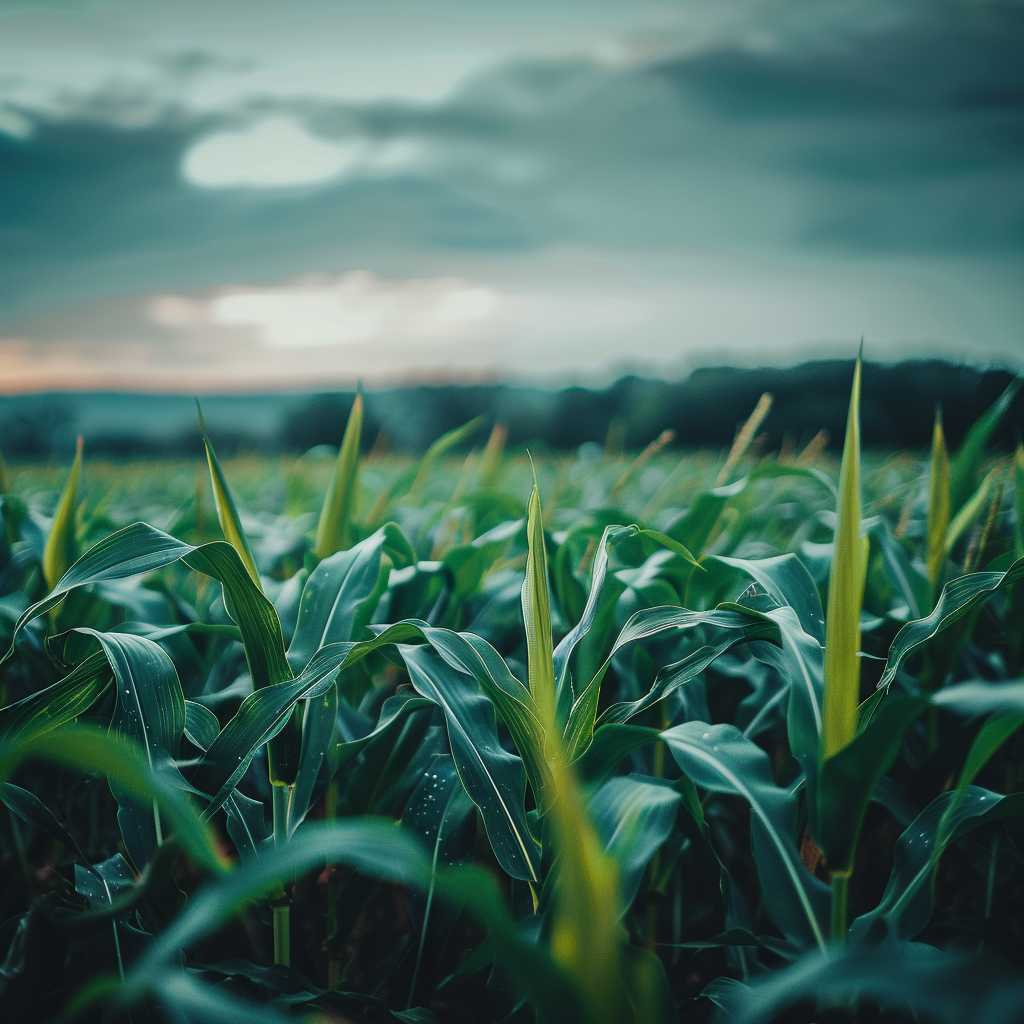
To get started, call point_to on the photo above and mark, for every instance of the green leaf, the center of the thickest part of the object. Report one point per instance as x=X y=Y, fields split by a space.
x=60 y=549
x=799 y=657
x=845 y=782
x=611 y=744
x=537 y=616
x=721 y=759
x=633 y=816
x=441 y=812
x=439 y=449
x=332 y=531
x=599 y=574
x=739 y=624
x=377 y=848
x=27 y=806
x=227 y=513
x=912 y=980
x=906 y=905
x=970 y=456
x=969 y=512
x=512 y=701
x=92 y=750
x=845 y=595
x=259 y=718
x=132 y=551
x=150 y=712
x=958 y=597
x=938 y=503
x=318 y=725
x=335 y=598
x=494 y=779
x=201 y=725
x=57 y=704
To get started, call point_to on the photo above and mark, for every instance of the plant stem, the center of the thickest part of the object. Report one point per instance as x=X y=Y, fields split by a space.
x=282 y=932
x=333 y=891
x=279 y=902
x=840 y=882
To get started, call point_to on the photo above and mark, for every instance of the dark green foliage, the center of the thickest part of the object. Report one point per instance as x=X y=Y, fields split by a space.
x=407 y=854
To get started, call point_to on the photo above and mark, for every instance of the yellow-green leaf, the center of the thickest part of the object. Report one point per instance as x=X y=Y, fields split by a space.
x=744 y=438
x=537 y=616
x=61 y=549
x=938 y=502
x=845 y=595
x=971 y=510
x=439 y=449
x=227 y=513
x=332 y=531
x=490 y=461
x=586 y=937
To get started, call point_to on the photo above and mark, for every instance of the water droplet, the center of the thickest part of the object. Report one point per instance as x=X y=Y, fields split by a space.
x=706 y=735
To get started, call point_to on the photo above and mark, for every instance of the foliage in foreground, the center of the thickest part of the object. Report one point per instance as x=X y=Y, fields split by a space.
x=665 y=746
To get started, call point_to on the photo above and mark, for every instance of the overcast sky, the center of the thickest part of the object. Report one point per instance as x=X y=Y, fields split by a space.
x=218 y=194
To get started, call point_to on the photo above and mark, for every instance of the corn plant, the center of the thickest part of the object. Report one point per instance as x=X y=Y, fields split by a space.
x=726 y=735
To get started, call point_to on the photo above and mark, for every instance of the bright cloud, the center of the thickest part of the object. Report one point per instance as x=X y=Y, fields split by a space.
x=279 y=152
x=357 y=308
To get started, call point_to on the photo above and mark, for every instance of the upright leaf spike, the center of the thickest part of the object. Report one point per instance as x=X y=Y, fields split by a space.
x=60 y=550
x=227 y=513
x=965 y=466
x=845 y=594
x=332 y=531
x=537 y=614
x=490 y=462
x=586 y=935
x=842 y=631
x=938 y=502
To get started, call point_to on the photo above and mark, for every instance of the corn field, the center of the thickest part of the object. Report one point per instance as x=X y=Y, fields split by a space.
x=594 y=739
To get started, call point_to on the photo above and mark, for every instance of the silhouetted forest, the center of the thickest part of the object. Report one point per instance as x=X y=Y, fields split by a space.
x=703 y=410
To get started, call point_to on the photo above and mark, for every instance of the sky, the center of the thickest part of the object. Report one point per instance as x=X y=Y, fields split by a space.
x=218 y=195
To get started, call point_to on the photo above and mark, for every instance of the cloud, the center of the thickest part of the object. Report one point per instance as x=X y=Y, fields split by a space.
x=278 y=151
x=353 y=309
x=872 y=146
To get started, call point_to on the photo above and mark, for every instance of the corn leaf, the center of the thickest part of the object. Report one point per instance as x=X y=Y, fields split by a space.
x=92 y=750
x=494 y=779
x=965 y=466
x=938 y=503
x=845 y=595
x=537 y=616
x=958 y=597
x=721 y=759
x=332 y=531
x=906 y=905
x=55 y=705
x=61 y=546
x=227 y=513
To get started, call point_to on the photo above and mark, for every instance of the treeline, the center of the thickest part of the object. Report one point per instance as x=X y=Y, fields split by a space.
x=703 y=410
